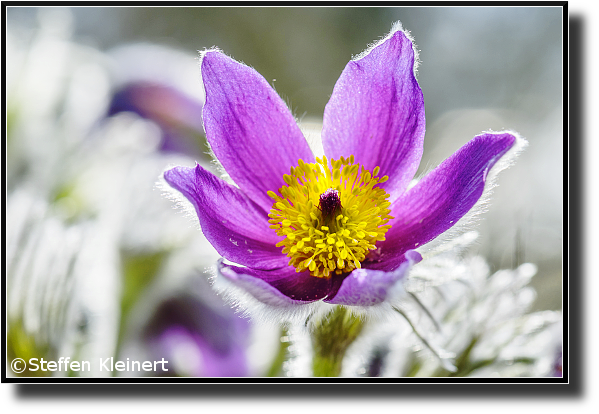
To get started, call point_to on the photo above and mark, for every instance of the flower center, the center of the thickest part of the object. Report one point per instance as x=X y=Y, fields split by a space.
x=330 y=215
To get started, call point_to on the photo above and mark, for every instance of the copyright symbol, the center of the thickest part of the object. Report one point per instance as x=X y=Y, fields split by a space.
x=18 y=365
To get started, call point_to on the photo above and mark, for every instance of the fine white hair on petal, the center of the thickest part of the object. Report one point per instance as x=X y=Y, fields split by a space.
x=468 y=221
x=249 y=307
x=180 y=202
x=396 y=27
x=215 y=163
x=308 y=315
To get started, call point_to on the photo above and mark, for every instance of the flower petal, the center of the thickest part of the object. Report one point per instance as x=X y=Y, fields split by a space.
x=175 y=112
x=443 y=196
x=367 y=287
x=376 y=113
x=232 y=223
x=249 y=128
x=281 y=287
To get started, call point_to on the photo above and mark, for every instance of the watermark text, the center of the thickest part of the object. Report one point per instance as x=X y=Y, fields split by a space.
x=19 y=365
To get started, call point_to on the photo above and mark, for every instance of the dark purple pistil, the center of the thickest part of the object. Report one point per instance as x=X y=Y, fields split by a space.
x=330 y=205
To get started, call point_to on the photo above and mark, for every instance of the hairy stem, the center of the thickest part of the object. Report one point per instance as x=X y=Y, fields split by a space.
x=330 y=340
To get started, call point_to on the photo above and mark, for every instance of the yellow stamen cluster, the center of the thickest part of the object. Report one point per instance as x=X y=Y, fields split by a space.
x=330 y=215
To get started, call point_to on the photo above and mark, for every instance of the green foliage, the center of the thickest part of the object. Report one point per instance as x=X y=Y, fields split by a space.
x=330 y=340
x=22 y=344
x=139 y=270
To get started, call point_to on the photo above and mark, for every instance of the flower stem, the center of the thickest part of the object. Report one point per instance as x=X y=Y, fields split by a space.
x=330 y=340
x=276 y=369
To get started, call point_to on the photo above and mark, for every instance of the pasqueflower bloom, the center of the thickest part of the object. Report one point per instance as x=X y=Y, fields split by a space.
x=342 y=228
x=200 y=337
x=172 y=110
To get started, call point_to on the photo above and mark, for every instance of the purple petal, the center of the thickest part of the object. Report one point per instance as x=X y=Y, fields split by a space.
x=161 y=103
x=376 y=113
x=175 y=112
x=367 y=287
x=214 y=337
x=249 y=128
x=281 y=287
x=443 y=196
x=232 y=223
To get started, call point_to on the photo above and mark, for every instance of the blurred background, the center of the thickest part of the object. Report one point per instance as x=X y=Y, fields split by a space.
x=101 y=100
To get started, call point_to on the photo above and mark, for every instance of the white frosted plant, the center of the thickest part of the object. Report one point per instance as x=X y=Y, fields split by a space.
x=479 y=322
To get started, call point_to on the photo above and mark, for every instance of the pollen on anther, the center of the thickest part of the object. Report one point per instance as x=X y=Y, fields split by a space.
x=331 y=213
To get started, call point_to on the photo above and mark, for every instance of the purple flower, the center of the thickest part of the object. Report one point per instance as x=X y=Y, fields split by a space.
x=199 y=337
x=341 y=228
x=172 y=110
